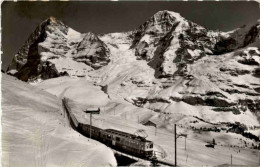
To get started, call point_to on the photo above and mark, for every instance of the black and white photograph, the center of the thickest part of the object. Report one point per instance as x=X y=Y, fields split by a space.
x=130 y=83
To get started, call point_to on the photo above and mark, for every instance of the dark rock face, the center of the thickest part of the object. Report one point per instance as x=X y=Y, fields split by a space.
x=141 y=51
x=193 y=100
x=225 y=45
x=257 y=89
x=249 y=57
x=227 y=109
x=217 y=102
x=208 y=101
x=252 y=35
x=27 y=62
x=158 y=58
x=233 y=42
x=49 y=71
x=234 y=72
x=249 y=61
x=142 y=101
x=241 y=129
x=194 y=39
x=39 y=35
x=50 y=40
x=252 y=105
x=201 y=36
x=92 y=51
x=162 y=19
x=256 y=72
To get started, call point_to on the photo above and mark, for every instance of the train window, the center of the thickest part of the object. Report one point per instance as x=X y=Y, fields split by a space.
x=151 y=146
x=117 y=139
x=109 y=136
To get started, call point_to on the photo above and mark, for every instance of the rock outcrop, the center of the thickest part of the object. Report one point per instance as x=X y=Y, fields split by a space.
x=92 y=51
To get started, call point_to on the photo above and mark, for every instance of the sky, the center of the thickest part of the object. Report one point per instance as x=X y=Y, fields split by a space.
x=19 y=19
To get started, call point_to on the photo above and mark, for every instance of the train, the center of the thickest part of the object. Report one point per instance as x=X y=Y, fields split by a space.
x=121 y=141
x=125 y=142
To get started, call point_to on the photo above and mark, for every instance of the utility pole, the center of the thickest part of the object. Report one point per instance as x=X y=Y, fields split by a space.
x=231 y=159
x=175 y=143
x=90 y=117
x=185 y=143
x=90 y=125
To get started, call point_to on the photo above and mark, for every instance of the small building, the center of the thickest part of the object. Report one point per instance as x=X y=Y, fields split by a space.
x=153 y=122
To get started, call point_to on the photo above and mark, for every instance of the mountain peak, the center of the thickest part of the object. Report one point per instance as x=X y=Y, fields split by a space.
x=53 y=19
x=161 y=22
x=167 y=12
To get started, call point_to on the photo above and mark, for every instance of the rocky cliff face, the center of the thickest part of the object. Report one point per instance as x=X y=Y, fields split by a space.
x=169 y=42
x=27 y=62
x=237 y=38
x=92 y=51
x=52 y=41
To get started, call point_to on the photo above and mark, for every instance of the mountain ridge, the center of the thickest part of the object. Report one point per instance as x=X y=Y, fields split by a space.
x=145 y=41
x=167 y=45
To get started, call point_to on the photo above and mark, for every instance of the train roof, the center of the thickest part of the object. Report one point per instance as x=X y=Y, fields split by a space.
x=127 y=135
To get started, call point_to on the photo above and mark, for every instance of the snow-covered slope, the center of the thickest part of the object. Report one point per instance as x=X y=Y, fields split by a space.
x=122 y=115
x=35 y=131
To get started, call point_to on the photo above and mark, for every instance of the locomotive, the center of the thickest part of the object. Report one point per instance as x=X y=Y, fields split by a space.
x=121 y=141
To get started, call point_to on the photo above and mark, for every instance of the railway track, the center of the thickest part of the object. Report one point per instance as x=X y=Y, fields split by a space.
x=74 y=124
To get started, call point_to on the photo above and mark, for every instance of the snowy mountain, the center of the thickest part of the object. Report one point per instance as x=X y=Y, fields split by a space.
x=177 y=70
x=172 y=42
x=169 y=41
x=52 y=48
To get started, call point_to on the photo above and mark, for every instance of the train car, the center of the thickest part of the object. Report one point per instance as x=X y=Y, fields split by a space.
x=84 y=129
x=129 y=143
x=121 y=141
